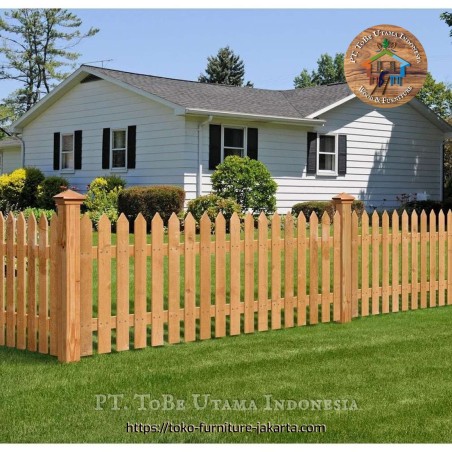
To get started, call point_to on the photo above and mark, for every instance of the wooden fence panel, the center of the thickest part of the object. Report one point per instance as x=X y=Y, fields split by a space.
x=313 y=269
x=86 y=283
x=424 y=242
x=288 y=271
x=325 y=244
x=365 y=265
x=276 y=272
x=375 y=263
x=10 y=280
x=249 y=273
x=395 y=262
x=355 y=259
x=190 y=280
x=104 y=288
x=414 y=261
x=157 y=269
x=140 y=295
x=337 y=267
x=432 y=259
x=405 y=261
x=122 y=283
x=262 y=324
x=385 y=263
x=173 y=280
x=31 y=283
x=2 y=280
x=205 y=277
x=301 y=263
x=43 y=286
x=441 y=259
x=235 y=275
x=21 y=323
x=220 y=276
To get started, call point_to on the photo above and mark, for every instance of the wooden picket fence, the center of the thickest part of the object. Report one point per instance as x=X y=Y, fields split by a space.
x=62 y=294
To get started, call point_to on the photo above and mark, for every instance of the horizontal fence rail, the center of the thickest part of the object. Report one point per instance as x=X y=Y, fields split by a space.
x=70 y=291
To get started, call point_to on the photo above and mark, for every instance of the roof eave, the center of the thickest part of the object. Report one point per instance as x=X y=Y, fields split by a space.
x=255 y=117
x=431 y=116
x=331 y=106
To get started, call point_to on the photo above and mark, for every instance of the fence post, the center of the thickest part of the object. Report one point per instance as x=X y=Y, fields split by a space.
x=343 y=204
x=68 y=299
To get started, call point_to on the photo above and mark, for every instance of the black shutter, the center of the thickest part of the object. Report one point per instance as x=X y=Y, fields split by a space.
x=214 y=146
x=312 y=153
x=106 y=149
x=78 y=149
x=131 y=146
x=342 y=155
x=56 y=151
x=252 y=144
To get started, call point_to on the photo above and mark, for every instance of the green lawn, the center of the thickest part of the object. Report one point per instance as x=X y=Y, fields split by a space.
x=396 y=367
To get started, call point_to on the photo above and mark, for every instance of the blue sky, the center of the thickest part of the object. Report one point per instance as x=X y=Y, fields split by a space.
x=274 y=44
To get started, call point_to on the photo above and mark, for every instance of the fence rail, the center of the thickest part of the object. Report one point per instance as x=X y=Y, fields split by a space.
x=63 y=294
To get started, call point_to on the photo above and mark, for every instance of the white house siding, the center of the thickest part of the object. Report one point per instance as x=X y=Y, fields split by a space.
x=390 y=152
x=90 y=107
x=11 y=159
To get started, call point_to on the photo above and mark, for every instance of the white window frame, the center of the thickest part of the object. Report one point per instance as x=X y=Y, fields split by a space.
x=336 y=155
x=122 y=168
x=67 y=170
x=245 y=138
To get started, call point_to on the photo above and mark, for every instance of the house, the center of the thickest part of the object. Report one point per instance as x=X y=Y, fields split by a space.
x=316 y=141
x=10 y=154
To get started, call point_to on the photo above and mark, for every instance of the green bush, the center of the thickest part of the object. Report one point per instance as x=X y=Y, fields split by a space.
x=50 y=187
x=102 y=198
x=11 y=186
x=38 y=213
x=319 y=207
x=213 y=205
x=114 y=181
x=28 y=197
x=248 y=182
x=428 y=206
x=164 y=199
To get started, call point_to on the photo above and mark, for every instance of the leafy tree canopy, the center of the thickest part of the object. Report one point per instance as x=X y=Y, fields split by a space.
x=447 y=17
x=437 y=96
x=329 y=70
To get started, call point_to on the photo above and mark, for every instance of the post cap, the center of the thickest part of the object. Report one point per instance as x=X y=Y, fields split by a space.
x=343 y=197
x=69 y=196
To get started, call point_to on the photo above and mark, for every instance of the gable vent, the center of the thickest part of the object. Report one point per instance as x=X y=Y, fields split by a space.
x=90 y=78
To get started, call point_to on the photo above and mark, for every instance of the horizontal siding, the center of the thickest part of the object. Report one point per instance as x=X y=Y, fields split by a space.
x=11 y=159
x=162 y=156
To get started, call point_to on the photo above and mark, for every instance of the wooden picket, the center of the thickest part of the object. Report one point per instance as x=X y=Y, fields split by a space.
x=229 y=257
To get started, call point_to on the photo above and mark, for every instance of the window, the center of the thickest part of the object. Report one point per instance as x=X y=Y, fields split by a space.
x=233 y=141
x=67 y=151
x=327 y=154
x=119 y=149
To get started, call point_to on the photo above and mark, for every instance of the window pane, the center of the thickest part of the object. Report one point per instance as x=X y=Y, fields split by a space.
x=67 y=160
x=228 y=152
x=327 y=144
x=326 y=162
x=67 y=142
x=119 y=139
x=233 y=138
x=119 y=159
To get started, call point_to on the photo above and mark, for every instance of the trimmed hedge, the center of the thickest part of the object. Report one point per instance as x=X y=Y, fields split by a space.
x=428 y=206
x=319 y=207
x=164 y=199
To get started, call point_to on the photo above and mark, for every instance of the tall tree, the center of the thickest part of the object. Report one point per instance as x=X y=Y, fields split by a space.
x=447 y=17
x=36 y=46
x=226 y=68
x=329 y=70
x=437 y=96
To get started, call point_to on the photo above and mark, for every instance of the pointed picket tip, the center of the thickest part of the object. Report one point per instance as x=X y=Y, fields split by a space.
x=262 y=220
x=385 y=218
x=157 y=219
x=249 y=219
x=326 y=218
x=313 y=216
x=86 y=220
x=220 y=220
x=189 y=220
x=423 y=214
x=432 y=214
x=441 y=215
x=140 y=219
x=174 y=220
x=354 y=215
x=404 y=215
x=104 y=222
x=414 y=215
x=205 y=218
x=11 y=218
x=21 y=217
x=122 y=217
x=301 y=219
x=43 y=224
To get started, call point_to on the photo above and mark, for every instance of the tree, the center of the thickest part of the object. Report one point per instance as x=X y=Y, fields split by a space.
x=226 y=68
x=36 y=47
x=447 y=17
x=329 y=70
x=437 y=96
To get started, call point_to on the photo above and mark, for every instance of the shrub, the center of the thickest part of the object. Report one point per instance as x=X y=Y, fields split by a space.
x=164 y=199
x=319 y=207
x=114 y=181
x=213 y=205
x=428 y=206
x=50 y=187
x=38 y=213
x=102 y=198
x=11 y=186
x=248 y=182
x=33 y=177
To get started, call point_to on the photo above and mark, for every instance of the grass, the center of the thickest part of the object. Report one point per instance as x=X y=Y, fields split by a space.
x=396 y=367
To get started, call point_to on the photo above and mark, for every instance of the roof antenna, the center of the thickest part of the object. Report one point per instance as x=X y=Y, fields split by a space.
x=98 y=61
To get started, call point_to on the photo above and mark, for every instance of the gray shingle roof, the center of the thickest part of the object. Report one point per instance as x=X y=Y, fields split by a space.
x=294 y=103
